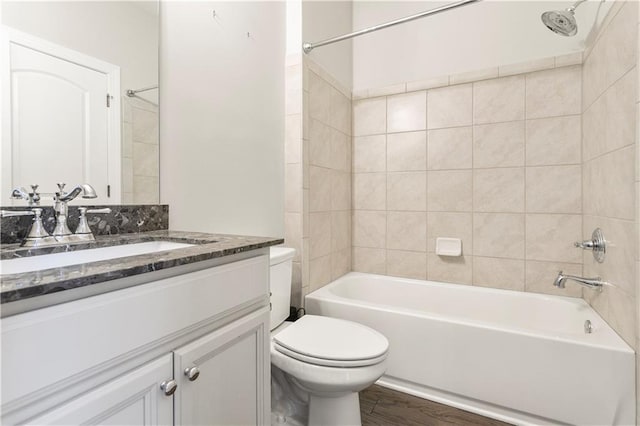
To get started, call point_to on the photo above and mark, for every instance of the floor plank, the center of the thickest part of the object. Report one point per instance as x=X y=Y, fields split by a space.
x=385 y=407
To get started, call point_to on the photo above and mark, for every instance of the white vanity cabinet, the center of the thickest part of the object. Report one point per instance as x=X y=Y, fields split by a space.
x=103 y=359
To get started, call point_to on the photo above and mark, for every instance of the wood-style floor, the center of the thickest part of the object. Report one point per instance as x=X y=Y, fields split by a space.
x=385 y=407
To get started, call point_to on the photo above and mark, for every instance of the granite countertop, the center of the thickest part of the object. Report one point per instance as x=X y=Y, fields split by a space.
x=17 y=287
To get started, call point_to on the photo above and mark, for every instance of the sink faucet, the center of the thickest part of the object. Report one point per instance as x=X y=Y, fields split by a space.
x=62 y=210
x=592 y=283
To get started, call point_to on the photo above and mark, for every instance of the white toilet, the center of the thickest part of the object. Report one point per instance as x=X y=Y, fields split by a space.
x=318 y=364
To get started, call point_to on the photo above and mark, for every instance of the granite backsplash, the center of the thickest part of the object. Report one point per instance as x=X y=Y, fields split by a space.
x=123 y=219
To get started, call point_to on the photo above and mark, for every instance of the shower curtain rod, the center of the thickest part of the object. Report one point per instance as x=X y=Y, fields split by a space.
x=132 y=93
x=308 y=47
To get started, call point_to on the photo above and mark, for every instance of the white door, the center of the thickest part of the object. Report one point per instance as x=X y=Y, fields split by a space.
x=232 y=387
x=134 y=399
x=58 y=124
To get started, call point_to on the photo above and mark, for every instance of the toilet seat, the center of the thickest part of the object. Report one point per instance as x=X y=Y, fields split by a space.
x=331 y=342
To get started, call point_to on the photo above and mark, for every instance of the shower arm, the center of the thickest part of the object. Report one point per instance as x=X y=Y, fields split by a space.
x=308 y=47
x=575 y=5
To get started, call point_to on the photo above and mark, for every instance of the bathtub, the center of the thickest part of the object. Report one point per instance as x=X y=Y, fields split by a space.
x=518 y=357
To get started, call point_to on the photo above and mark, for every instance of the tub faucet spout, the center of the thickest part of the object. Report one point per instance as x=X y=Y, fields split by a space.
x=592 y=283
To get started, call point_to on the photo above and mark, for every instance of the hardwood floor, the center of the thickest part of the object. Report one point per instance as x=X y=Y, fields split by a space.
x=385 y=407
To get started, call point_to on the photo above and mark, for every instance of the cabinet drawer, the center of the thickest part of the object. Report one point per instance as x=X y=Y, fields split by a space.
x=61 y=341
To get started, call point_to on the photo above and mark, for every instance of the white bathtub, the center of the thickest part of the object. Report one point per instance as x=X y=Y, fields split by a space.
x=519 y=357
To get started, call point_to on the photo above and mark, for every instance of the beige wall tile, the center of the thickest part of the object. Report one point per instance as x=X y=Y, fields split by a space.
x=407 y=231
x=144 y=126
x=319 y=189
x=507 y=274
x=369 y=229
x=449 y=106
x=458 y=270
x=449 y=191
x=146 y=189
x=340 y=112
x=127 y=175
x=498 y=100
x=450 y=225
x=340 y=263
x=369 y=154
x=319 y=144
x=340 y=151
x=369 y=260
x=319 y=98
x=407 y=191
x=554 y=92
x=340 y=190
x=621 y=43
x=620 y=107
x=499 y=235
x=320 y=234
x=498 y=190
x=554 y=189
x=407 y=151
x=293 y=139
x=499 y=145
x=392 y=89
x=127 y=140
x=613 y=170
x=594 y=124
x=407 y=112
x=406 y=264
x=370 y=191
x=319 y=272
x=340 y=230
x=539 y=278
x=622 y=315
x=293 y=233
x=569 y=59
x=550 y=237
x=554 y=140
x=449 y=148
x=370 y=117
x=293 y=188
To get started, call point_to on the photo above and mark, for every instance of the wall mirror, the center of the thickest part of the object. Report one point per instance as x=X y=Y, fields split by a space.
x=80 y=99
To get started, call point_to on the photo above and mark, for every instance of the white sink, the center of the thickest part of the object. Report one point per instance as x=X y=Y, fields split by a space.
x=57 y=260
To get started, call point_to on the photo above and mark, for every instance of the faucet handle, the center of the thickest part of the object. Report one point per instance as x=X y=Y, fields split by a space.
x=597 y=243
x=61 y=186
x=12 y=213
x=105 y=210
x=83 y=225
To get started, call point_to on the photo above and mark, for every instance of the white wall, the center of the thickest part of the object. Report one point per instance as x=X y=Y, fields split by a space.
x=473 y=37
x=222 y=116
x=326 y=19
x=120 y=32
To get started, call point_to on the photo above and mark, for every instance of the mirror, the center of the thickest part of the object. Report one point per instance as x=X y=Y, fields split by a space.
x=67 y=67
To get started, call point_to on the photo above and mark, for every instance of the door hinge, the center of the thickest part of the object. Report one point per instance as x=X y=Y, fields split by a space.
x=109 y=97
x=108 y=191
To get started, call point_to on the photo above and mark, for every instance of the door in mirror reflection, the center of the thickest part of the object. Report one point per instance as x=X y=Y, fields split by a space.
x=61 y=123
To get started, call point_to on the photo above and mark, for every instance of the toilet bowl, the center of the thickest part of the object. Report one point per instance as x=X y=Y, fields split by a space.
x=319 y=364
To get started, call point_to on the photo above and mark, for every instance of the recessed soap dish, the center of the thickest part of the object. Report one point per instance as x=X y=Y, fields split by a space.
x=448 y=247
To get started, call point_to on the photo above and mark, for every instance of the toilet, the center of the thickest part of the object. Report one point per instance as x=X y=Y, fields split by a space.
x=318 y=364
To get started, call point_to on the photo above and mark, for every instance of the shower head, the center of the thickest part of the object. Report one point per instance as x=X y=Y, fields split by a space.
x=562 y=22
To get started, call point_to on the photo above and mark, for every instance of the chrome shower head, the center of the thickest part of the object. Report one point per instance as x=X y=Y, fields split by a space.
x=562 y=22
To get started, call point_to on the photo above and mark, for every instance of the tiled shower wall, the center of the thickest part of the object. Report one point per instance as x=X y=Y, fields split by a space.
x=496 y=163
x=140 y=152
x=609 y=150
x=318 y=176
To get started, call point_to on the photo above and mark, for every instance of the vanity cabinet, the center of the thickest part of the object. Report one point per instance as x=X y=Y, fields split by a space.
x=103 y=359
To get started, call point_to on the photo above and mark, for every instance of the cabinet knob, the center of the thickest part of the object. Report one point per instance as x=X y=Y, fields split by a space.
x=192 y=373
x=169 y=387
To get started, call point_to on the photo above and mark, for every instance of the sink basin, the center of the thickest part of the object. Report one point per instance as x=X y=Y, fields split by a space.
x=57 y=260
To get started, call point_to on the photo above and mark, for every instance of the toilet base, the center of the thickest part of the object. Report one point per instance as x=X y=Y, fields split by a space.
x=343 y=410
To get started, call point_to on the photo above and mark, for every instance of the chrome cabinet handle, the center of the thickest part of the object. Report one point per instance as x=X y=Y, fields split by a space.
x=169 y=387
x=192 y=373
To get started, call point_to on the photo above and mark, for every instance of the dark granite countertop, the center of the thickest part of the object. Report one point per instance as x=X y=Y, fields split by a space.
x=17 y=287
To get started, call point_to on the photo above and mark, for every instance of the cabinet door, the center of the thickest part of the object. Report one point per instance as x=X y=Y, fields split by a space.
x=232 y=387
x=133 y=399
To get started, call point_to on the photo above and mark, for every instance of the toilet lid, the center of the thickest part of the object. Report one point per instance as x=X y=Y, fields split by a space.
x=331 y=341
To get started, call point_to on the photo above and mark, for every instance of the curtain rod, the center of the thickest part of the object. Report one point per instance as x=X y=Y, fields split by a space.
x=308 y=47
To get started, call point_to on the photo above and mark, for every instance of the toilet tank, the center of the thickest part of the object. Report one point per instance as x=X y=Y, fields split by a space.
x=281 y=263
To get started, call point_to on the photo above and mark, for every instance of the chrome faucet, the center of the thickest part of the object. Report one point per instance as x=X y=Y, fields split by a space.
x=62 y=210
x=37 y=235
x=33 y=198
x=592 y=283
